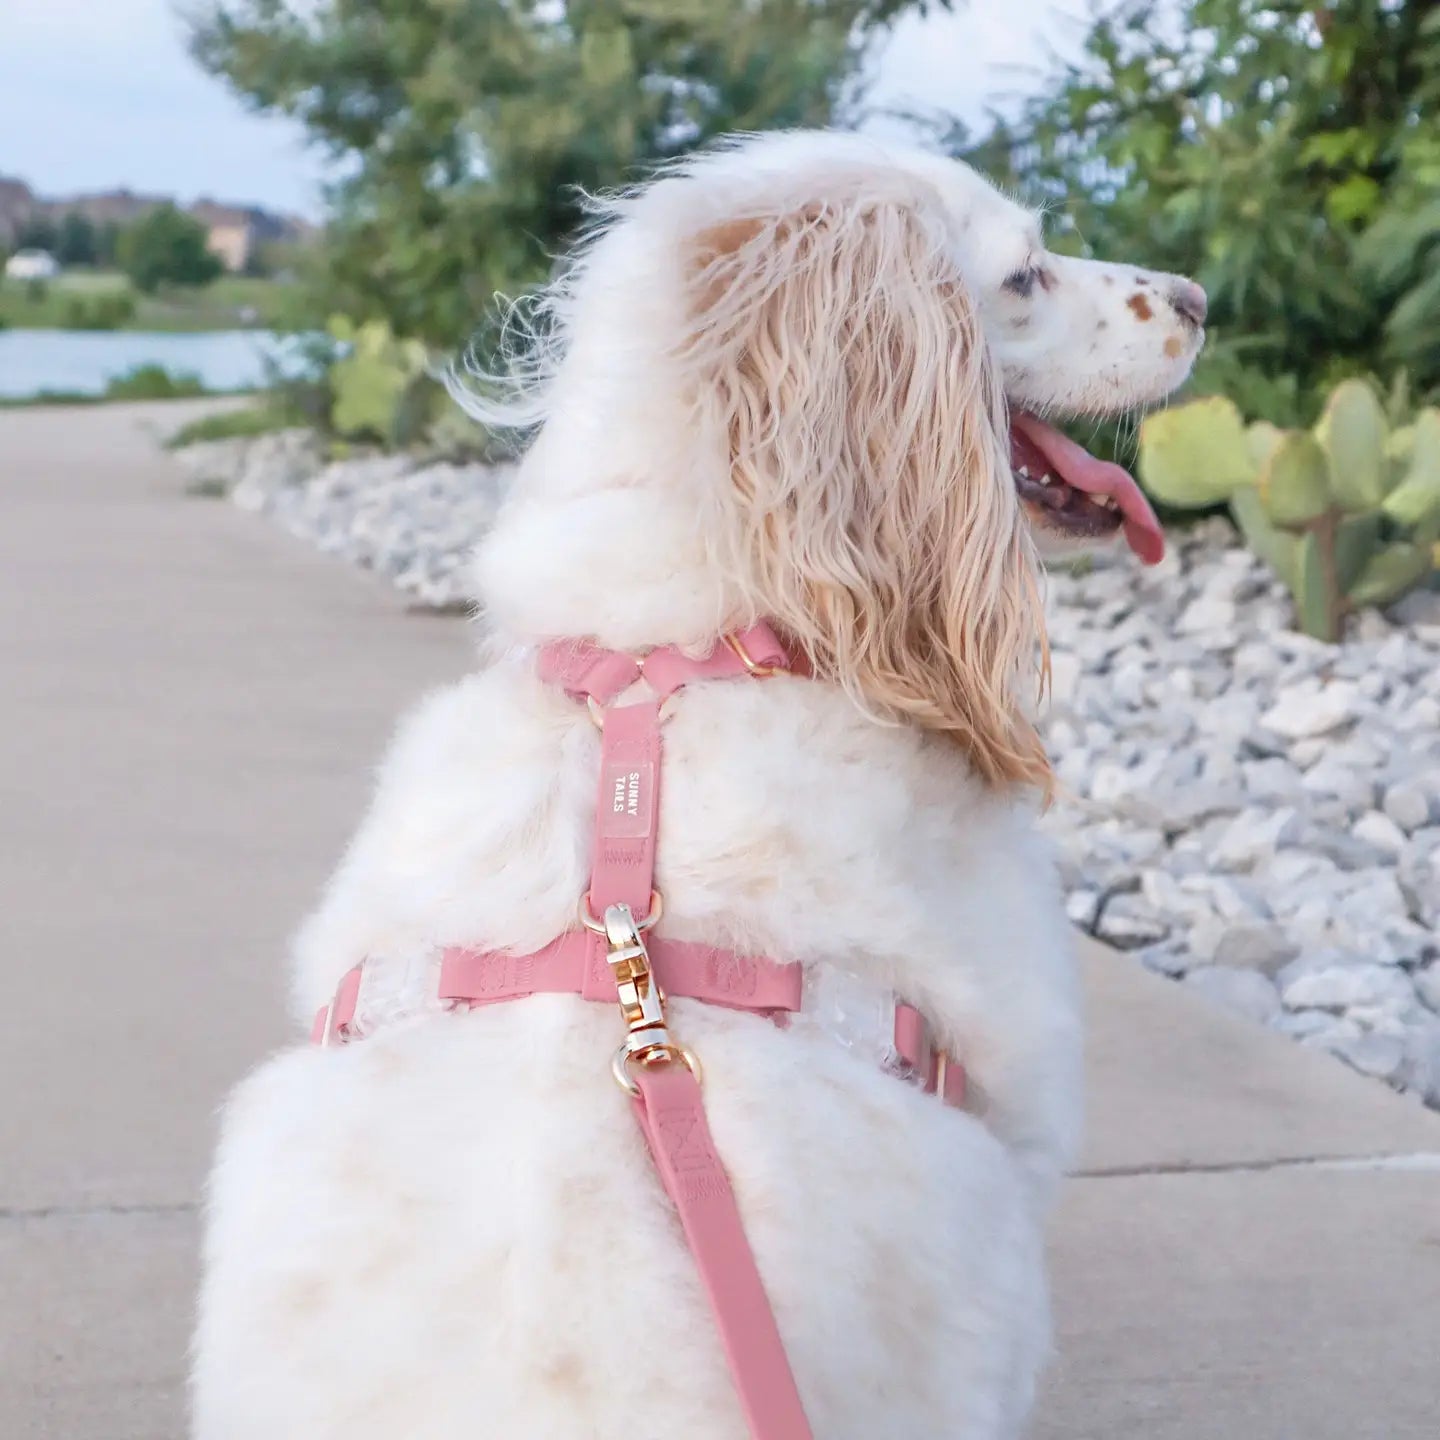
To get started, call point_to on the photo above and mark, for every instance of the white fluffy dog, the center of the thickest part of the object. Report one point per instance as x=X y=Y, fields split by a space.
x=781 y=386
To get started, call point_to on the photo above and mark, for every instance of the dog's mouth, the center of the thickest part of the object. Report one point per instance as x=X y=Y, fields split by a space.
x=1065 y=488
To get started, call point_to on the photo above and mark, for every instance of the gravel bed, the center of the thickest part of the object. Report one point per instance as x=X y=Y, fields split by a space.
x=1252 y=812
x=1248 y=811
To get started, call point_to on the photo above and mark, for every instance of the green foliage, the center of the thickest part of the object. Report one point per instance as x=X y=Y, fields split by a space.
x=37 y=233
x=1286 y=155
x=154 y=382
x=103 y=311
x=166 y=247
x=143 y=382
x=272 y=413
x=376 y=384
x=75 y=241
x=1345 y=516
x=103 y=300
x=469 y=129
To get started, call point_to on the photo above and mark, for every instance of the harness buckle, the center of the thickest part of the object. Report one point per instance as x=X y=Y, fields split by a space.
x=642 y=1001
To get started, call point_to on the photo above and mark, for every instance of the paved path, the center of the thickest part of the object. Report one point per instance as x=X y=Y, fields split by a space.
x=191 y=702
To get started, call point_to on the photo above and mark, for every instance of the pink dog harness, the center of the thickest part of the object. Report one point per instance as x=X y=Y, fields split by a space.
x=613 y=955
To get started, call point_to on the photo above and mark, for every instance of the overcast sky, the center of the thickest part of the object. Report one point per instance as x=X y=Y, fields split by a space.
x=100 y=93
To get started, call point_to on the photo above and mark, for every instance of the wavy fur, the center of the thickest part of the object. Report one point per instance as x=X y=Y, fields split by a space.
x=870 y=508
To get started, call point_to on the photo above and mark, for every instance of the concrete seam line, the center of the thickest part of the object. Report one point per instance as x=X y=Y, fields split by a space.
x=81 y=1212
x=1419 y=1160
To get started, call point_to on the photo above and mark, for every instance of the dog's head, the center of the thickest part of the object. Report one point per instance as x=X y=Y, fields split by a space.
x=822 y=362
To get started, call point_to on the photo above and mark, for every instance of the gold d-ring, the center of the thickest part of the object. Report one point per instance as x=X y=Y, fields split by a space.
x=597 y=927
x=652 y=1055
x=747 y=660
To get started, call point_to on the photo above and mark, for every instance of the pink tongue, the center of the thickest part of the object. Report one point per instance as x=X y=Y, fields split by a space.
x=1078 y=467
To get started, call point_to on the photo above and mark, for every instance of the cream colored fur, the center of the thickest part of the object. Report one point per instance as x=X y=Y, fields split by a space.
x=452 y=1229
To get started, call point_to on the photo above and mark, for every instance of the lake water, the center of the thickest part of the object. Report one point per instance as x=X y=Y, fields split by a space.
x=85 y=361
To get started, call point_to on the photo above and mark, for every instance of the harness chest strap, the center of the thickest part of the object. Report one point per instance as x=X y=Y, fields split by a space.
x=611 y=956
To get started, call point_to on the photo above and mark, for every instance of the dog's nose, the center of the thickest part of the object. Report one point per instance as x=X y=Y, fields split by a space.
x=1189 y=300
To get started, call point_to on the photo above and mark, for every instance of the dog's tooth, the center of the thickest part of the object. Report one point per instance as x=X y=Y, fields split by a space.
x=1047 y=479
x=1024 y=470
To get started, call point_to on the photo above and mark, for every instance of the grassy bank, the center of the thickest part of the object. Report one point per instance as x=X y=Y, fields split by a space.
x=144 y=382
x=106 y=300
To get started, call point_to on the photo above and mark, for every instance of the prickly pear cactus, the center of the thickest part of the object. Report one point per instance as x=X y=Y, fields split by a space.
x=1348 y=514
x=373 y=383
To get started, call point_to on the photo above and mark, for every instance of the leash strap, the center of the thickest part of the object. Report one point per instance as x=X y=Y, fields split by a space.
x=662 y=1076
x=672 y=1116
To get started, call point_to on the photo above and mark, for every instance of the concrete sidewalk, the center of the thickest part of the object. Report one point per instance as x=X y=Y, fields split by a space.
x=192 y=705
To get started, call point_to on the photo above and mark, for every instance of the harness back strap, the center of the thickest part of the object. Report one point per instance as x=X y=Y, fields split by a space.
x=665 y=1087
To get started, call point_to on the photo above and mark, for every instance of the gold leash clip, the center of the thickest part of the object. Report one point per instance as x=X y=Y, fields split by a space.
x=642 y=1002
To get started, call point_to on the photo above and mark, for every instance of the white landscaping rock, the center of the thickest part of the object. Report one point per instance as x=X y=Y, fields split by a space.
x=1254 y=834
x=1427 y=985
x=1312 y=708
x=1312 y=985
x=1410 y=804
x=1382 y=1056
x=1379 y=830
x=1255 y=945
x=1243 y=991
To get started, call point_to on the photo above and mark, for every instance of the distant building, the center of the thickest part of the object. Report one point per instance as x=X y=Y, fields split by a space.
x=32 y=265
x=236 y=232
x=17 y=204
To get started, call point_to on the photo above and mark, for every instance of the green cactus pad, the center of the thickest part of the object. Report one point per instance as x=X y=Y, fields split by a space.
x=1295 y=481
x=1357 y=540
x=1416 y=498
x=371 y=385
x=1390 y=574
x=1195 y=455
x=1352 y=433
x=1260 y=439
x=1274 y=546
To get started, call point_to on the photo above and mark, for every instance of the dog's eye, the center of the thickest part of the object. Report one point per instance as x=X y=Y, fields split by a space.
x=1022 y=282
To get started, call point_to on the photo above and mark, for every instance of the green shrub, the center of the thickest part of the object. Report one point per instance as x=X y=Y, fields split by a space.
x=271 y=414
x=106 y=311
x=378 y=385
x=1346 y=513
x=154 y=382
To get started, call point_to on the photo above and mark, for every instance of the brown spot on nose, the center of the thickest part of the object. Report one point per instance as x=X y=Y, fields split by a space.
x=1173 y=347
x=1141 y=306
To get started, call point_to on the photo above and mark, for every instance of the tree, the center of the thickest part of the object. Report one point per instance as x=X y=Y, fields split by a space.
x=107 y=243
x=166 y=247
x=37 y=233
x=470 y=129
x=75 y=241
x=1284 y=153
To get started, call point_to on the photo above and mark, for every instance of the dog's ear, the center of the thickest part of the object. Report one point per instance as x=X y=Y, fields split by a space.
x=869 y=509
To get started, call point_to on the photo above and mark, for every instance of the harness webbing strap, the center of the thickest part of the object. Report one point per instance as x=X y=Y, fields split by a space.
x=669 y=1104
